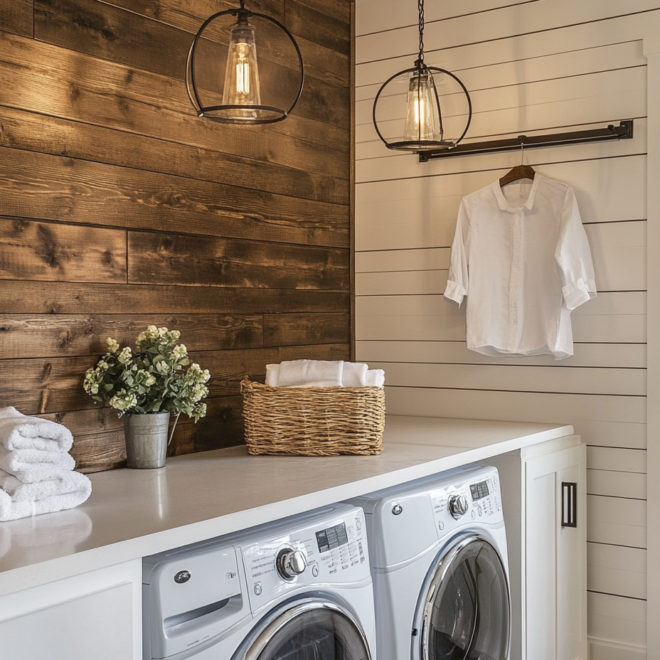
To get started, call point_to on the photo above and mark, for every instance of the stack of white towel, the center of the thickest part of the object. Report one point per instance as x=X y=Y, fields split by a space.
x=322 y=373
x=36 y=469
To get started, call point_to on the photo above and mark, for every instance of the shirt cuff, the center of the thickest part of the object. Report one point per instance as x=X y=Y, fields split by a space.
x=455 y=292
x=578 y=293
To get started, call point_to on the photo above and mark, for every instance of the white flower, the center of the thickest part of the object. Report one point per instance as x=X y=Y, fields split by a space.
x=179 y=351
x=162 y=367
x=113 y=345
x=125 y=355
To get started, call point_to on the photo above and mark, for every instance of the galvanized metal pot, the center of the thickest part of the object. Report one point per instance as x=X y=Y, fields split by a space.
x=146 y=439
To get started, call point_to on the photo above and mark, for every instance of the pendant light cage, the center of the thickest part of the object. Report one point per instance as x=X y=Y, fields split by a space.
x=241 y=93
x=411 y=113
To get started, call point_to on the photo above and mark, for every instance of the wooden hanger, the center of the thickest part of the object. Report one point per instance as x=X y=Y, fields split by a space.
x=519 y=171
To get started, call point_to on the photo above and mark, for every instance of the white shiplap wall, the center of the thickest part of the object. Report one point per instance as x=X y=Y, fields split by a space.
x=531 y=66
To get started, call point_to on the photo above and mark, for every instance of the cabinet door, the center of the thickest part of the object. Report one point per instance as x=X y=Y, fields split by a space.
x=555 y=555
x=91 y=616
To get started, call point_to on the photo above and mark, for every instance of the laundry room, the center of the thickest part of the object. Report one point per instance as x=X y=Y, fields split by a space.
x=149 y=233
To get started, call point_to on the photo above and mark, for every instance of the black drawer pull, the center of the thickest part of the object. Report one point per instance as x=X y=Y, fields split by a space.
x=568 y=504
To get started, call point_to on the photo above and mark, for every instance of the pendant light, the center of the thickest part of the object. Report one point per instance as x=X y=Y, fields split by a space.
x=242 y=90
x=422 y=124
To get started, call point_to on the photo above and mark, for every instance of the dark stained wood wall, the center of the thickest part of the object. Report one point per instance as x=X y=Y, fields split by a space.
x=119 y=208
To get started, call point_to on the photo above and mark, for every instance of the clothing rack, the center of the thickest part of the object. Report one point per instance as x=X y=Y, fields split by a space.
x=624 y=131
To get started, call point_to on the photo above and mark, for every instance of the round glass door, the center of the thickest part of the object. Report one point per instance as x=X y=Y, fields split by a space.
x=311 y=631
x=466 y=612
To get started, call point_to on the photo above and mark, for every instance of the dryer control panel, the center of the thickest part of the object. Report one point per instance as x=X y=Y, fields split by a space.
x=330 y=551
x=476 y=499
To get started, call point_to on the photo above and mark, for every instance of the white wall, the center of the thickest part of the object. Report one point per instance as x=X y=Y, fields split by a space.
x=540 y=65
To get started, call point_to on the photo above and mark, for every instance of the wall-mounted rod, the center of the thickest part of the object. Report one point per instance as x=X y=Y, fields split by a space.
x=624 y=131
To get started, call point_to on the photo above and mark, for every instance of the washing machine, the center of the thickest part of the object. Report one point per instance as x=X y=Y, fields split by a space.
x=297 y=589
x=439 y=564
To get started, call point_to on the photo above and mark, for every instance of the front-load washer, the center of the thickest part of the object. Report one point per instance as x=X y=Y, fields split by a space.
x=296 y=589
x=439 y=563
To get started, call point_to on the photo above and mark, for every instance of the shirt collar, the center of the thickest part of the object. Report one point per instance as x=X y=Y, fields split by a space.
x=504 y=204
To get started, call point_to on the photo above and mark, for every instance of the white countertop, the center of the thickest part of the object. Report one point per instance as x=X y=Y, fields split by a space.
x=134 y=513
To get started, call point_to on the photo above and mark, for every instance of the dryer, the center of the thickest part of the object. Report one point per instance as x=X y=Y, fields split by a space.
x=439 y=565
x=297 y=589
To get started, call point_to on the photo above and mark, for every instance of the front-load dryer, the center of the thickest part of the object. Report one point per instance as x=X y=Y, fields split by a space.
x=439 y=564
x=297 y=589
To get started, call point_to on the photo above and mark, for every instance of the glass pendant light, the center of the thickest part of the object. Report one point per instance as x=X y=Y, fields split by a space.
x=422 y=128
x=242 y=92
x=241 y=86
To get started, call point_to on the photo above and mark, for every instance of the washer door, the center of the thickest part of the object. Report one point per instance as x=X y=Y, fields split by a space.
x=466 y=610
x=310 y=630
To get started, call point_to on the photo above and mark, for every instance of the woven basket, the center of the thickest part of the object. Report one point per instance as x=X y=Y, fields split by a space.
x=313 y=421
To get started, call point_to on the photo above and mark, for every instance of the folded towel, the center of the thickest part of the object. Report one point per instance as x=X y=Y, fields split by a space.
x=375 y=378
x=68 y=481
x=30 y=471
x=272 y=374
x=310 y=373
x=11 y=509
x=354 y=374
x=18 y=431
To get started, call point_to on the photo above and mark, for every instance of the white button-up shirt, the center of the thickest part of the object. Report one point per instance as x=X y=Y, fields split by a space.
x=522 y=257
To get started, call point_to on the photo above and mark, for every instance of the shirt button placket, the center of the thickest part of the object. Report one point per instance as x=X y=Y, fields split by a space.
x=516 y=280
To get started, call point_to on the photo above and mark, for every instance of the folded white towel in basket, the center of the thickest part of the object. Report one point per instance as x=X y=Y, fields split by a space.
x=18 y=431
x=67 y=481
x=25 y=465
x=374 y=378
x=310 y=373
x=354 y=374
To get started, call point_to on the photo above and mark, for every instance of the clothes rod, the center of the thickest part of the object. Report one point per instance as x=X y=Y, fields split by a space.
x=624 y=131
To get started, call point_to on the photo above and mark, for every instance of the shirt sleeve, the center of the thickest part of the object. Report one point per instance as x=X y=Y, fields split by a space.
x=457 y=278
x=574 y=256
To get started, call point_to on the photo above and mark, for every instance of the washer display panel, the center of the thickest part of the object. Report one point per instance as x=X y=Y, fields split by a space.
x=311 y=631
x=466 y=612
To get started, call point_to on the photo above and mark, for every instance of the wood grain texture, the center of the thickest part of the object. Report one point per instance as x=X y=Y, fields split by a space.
x=111 y=33
x=65 y=298
x=60 y=137
x=31 y=336
x=63 y=83
x=292 y=329
x=166 y=259
x=42 y=251
x=36 y=185
x=16 y=16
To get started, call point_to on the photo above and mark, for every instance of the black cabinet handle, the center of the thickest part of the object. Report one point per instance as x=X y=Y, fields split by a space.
x=568 y=504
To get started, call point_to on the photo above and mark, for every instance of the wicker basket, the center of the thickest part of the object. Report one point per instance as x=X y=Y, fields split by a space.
x=313 y=421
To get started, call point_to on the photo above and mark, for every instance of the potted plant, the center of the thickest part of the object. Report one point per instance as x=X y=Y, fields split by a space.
x=145 y=387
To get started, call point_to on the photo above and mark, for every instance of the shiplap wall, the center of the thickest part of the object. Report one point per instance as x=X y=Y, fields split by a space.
x=530 y=66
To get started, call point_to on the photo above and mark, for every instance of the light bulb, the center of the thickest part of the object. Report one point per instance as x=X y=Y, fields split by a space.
x=420 y=118
x=242 y=73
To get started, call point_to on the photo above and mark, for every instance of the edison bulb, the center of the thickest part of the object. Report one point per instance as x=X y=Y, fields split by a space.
x=420 y=117
x=242 y=73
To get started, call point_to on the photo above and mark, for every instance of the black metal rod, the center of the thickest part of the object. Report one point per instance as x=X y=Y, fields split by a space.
x=624 y=131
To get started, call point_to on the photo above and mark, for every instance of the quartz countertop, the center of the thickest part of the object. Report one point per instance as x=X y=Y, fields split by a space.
x=134 y=513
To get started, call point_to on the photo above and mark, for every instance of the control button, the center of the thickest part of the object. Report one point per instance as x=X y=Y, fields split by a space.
x=290 y=563
x=474 y=515
x=315 y=570
x=441 y=525
x=182 y=576
x=258 y=589
x=479 y=511
x=458 y=506
x=397 y=509
x=358 y=524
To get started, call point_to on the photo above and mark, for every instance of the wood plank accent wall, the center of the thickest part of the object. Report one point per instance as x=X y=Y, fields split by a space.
x=531 y=66
x=119 y=208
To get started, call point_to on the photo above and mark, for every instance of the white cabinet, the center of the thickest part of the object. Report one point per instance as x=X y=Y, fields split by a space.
x=544 y=493
x=94 y=615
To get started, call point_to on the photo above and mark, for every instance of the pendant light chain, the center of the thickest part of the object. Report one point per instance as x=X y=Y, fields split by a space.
x=420 y=6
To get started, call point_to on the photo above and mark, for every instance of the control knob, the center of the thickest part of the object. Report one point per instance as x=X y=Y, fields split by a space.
x=290 y=563
x=458 y=506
